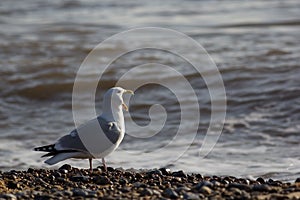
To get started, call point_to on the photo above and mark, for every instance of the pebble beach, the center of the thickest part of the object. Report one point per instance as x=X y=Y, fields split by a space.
x=72 y=183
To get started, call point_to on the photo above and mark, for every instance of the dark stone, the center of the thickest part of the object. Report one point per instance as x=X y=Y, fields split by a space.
x=79 y=192
x=123 y=181
x=63 y=171
x=225 y=181
x=125 y=189
x=110 y=169
x=297 y=180
x=57 y=174
x=101 y=180
x=239 y=186
x=146 y=192
x=276 y=183
x=169 y=193
x=66 y=167
x=199 y=176
x=190 y=196
x=165 y=171
x=8 y=196
x=79 y=178
x=260 y=180
x=236 y=191
x=201 y=184
x=179 y=174
x=30 y=170
x=13 y=185
x=68 y=193
x=138 y=176
x=45 y=197
x=128 y=174
x=205 y=190
x=155 y=172
x=270 y=180
x=261 y=188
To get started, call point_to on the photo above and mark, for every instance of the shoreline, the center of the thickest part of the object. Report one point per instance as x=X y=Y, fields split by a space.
x=72 y=183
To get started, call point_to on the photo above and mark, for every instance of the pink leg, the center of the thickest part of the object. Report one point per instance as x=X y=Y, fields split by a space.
x=91 y=165
x=104 y=164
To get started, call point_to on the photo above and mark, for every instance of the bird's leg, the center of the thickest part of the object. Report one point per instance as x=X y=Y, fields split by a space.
x=91 y=164
x=104 y=164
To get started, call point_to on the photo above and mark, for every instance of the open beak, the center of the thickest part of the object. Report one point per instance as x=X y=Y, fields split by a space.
x=125 y=107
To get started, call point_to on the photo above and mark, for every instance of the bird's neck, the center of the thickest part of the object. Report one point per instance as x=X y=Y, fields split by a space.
x=114 y=114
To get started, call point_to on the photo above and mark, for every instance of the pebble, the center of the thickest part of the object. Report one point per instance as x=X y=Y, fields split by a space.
x=79 y=178
x=66 y=167
x=101 y=180
x=260 y=180
x=205 y=190
x=165 y=171
x=79 y=192
x=155 y=172
x=239 y=186
x=146 y=192
x=169 y=193
x=73 y=183
x=8 y=196
x=191 y=196
x=179 y=174
x=261 y=188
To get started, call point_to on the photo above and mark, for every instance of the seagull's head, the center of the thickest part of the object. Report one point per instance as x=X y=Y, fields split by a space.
x=115 y=97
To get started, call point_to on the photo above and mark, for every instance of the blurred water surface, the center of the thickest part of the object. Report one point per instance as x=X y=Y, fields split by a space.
x=255 y=45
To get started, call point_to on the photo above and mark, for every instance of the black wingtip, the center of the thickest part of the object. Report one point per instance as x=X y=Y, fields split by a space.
x=47 y=148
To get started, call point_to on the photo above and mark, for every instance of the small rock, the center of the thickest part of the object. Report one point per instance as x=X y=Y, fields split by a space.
x=216 y=183
x=125 y=189
x=182 y=189
x=79 y=178
x=139 y=185
x=123 y=181
x=155 y=172
x=101 y=180
x=236 y=191
x=110 y=169
x=156 y=192
x=201 y=184
x=30 y=170
x=13 y=185
x=68 y=193
x=8 y=196
x=57 y=174
x=146 y=192
x=66 y=167
x=239 y=186
x=190 y=196
x=199 y=176
x=297 y=180
x=169 y=193
x=261 y=188
x=260 y=180
x=205 y=190
x=138 y=176
x=179 y=174
x=165 y=171
x=79 y=192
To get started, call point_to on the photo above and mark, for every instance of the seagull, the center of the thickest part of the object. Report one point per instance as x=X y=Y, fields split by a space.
x=112 y=133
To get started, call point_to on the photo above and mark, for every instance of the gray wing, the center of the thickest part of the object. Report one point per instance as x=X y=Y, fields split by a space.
x=110 y=129
x=73 y=141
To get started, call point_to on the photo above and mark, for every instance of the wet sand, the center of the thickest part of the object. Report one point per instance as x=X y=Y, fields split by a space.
x=73 y=183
